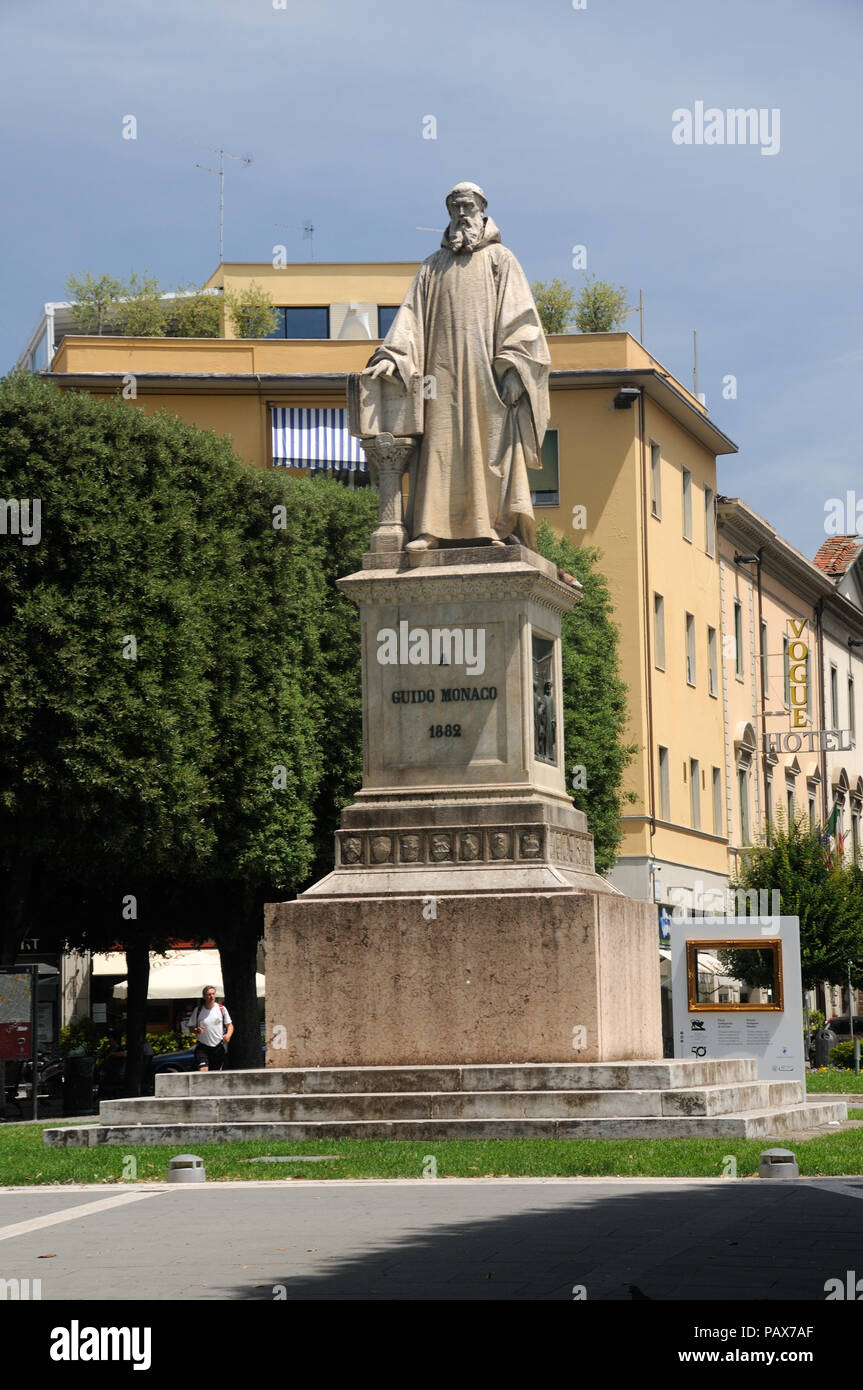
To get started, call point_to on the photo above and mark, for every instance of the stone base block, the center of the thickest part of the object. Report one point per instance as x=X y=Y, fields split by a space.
x=462 y=979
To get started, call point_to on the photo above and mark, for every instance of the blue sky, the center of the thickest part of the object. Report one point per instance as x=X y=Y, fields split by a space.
x=565 y=118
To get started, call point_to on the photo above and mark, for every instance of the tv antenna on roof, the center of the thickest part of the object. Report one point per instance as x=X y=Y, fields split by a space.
x=308 y=231
x=245 y=160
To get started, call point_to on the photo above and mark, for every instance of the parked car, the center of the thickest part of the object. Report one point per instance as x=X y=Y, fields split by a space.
x=839 y=1025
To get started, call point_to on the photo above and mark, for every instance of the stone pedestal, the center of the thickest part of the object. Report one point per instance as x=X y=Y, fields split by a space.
x=464 y=921
x=479 y=978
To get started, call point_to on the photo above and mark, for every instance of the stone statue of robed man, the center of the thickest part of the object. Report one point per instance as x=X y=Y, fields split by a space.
x=469 y=328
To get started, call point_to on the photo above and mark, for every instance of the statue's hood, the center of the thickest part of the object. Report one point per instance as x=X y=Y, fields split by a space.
x=490 y=234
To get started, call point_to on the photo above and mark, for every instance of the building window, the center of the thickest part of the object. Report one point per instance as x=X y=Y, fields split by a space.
x=546 y=481
x=855 y=834
x=301 y=322
x=789 y=805
x=687 y=505
x=813 y=812
x=712 y=664
x=743 y=796
x=655 y=481
x=834 y=696
x=317 y=439
x=386 y=314
x=768 y=804
x=307 y=323
x=852 y=722
x=717 y=801
x=659 y=630
x=695 y=793
x=709 y=522
x=664 y=790
x=738 y=639
x=690 y=649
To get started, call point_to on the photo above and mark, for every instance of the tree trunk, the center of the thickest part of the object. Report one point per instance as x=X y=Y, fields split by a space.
x=14 y=898
x=138 y=964
x=238 y=958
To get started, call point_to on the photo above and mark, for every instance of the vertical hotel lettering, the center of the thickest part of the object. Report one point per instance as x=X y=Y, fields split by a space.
x=798 y=674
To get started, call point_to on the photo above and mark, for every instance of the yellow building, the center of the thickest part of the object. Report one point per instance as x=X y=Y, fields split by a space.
x=794 y=674
x=629 y=467
x=793 y=634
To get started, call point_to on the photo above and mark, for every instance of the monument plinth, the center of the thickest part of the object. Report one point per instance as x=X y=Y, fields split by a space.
x=463 y=921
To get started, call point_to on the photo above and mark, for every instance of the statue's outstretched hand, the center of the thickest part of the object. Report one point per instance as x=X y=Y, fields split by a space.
x=382 y=368
x=511 y=388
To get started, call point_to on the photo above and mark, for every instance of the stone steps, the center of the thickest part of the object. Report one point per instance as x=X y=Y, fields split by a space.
x=325 y=1108
x=575 y=1100
x=510 y=1076
x=752 y=1124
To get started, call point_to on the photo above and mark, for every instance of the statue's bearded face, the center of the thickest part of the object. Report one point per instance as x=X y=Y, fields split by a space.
x=466 y=222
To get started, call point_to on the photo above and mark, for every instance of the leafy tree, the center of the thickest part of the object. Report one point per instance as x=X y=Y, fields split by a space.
x=252 y=311
x=827 y=898
x=594 y=697
x=95 y=301
x=193 y=314
x=601 y=307
x=555 y=303
x=141 y=312
x=104 y=661
x=176 y=793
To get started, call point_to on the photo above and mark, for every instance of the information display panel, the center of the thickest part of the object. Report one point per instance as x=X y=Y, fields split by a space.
x=736 y=992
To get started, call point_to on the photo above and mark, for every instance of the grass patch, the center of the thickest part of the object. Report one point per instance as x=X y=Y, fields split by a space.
x=833 y=1083
x=24 y=1159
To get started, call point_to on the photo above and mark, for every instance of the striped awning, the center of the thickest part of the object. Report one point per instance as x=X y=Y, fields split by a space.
x=305 y=437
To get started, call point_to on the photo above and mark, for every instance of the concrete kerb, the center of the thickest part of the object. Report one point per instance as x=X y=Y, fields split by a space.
x=225 y=1184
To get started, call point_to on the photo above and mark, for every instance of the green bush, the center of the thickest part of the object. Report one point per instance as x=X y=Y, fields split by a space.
x=82 y=1036
x=91 y=1039
x=842 y=1055
x=170 y=1042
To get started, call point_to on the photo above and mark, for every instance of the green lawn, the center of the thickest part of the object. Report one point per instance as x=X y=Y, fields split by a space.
x=24 y=1158
x=833 y=1082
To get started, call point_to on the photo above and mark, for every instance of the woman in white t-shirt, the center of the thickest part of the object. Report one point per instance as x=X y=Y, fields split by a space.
x=212 y=1026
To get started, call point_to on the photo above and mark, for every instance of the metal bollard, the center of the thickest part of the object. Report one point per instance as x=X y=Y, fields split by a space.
x=186 y=1168
x=778 y=1164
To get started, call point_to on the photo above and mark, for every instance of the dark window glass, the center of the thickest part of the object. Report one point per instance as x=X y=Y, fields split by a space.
x=386 y=314
x=279 y=330
x=544 y=482
x=307 y=323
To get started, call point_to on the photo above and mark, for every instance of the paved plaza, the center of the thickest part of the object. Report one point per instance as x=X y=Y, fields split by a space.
x=452 y=1239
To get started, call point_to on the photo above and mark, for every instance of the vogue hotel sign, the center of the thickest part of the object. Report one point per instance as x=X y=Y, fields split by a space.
x=809 y=740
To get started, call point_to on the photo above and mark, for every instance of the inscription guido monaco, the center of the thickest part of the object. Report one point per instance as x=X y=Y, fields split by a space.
x=449 y=695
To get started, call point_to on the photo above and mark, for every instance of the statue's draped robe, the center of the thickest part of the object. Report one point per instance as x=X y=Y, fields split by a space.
x=466 y=318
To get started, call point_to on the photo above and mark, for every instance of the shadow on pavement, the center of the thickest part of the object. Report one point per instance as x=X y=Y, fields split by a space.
x=747 y=1240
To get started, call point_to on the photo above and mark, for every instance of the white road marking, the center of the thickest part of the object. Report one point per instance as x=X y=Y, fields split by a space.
x=23 y=1228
